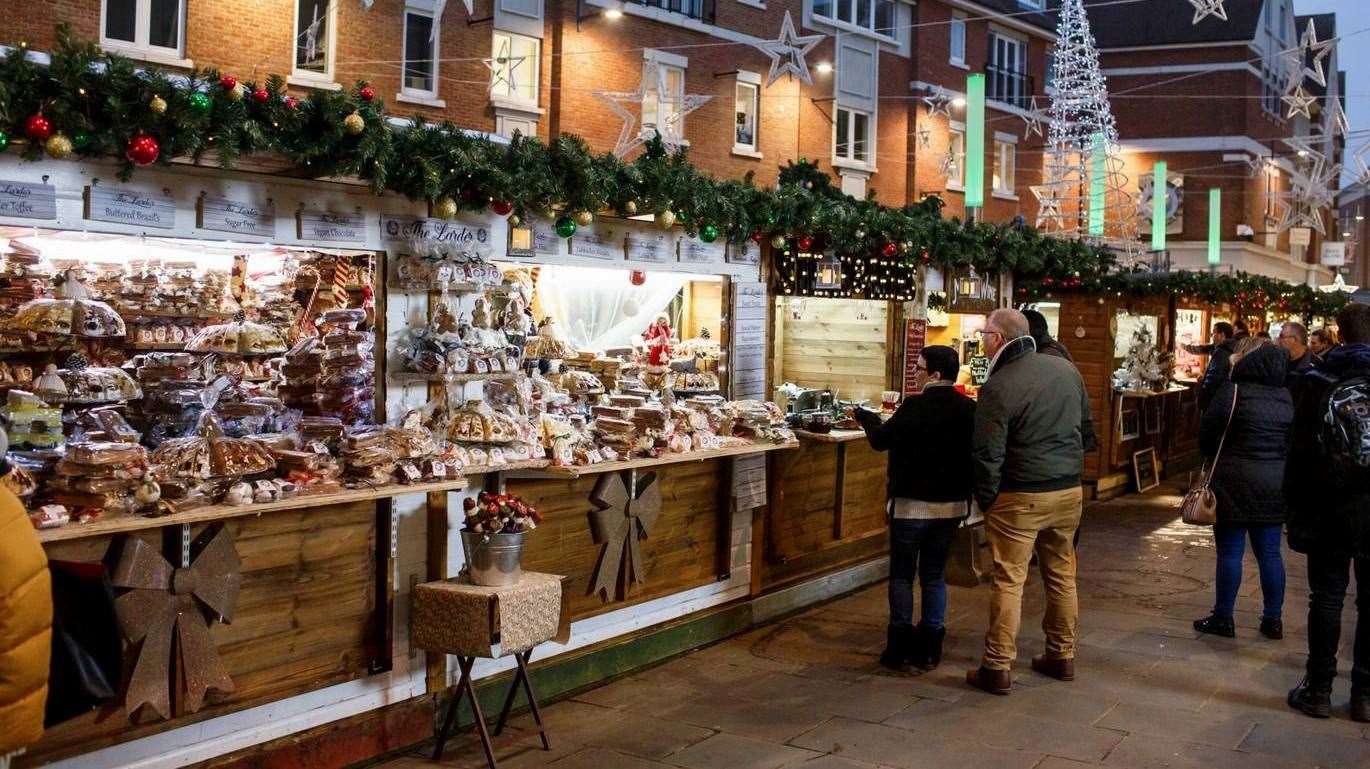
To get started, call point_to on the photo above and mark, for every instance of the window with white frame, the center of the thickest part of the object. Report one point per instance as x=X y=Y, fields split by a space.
x=314 y=39
x=1007 y=70
x=851 y=135
x=149 y=26
x=420 y=53
x=663 y=102
x=515 y=75
x=875 y=15
x=745 y=109
x=958 y=39
x=956 y=177
x=1036 y=5
x=1005 y=167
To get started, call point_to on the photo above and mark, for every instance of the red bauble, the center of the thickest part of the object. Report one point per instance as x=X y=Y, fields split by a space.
x=38 y=128
x=757 y=236
x=637 y=277
x=292 y=102
x=502 y=207
x=143 y=150
x=228 y=82
x=890 y=250
x=805 y=243
x=367 y=93
x=260 y=95
x=1047 y=281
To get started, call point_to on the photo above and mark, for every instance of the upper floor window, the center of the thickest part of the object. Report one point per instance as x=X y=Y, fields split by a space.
x=314 y=39
x=420 y=53
x=1007 y=70
x=664 y=101
x=695 y=9
x=875 y=15
x=852 y=135
x=515 y=73
x=149 y=26
x=1005 y=167
x=958 y=39
x=956 y=150
x=745 y=110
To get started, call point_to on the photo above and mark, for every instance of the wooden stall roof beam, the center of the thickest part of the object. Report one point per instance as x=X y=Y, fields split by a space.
x=666 y=459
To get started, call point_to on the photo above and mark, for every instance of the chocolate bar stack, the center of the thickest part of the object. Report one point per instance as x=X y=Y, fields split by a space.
x=171 y=383
x=301 y=369
x=347 y=387
x=617 y=434
x=368 y=457
x=100 y=476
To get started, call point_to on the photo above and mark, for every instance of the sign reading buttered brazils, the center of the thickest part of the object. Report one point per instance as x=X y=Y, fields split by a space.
x=240 y=217
x=136 y=208
x=330 y=226
x=440 y=236
x=26 y=200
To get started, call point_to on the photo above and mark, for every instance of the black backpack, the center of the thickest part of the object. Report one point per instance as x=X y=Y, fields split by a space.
x=1346 y=426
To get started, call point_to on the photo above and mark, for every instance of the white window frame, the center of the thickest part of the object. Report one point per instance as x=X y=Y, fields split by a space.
x=835 y=21
x=954 y=130
x=1020 y=44
x=139 y=47
x=849 y=160
x=1005 y=142
x=531 y=68
x=666 y=63
x=308 y=77
x=956 y=28
x=1036 y=5
x=428 y=98
x=748 y=80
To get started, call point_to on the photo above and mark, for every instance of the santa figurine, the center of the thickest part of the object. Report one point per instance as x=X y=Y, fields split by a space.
x=657 y=337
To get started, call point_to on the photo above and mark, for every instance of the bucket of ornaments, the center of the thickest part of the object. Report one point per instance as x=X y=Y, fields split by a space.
x=492 y=537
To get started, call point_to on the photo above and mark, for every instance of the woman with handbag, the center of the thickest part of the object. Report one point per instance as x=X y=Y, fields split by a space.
x=1245 y=436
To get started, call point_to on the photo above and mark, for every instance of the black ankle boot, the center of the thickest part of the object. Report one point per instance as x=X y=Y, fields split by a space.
x=1360 y=705
x=1272 y=628
x=1215 y=625
x=1311 y=699
x=898 y=639
x=928 y=653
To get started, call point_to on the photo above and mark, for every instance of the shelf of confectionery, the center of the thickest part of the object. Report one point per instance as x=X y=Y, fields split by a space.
x=419 y=376
x=452 y=288
x=639 y=463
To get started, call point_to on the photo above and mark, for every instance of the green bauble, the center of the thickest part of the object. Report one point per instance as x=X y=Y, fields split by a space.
x=708 y=233
x=4 y=141
x=199 y=103
x=565 y=226
x=80 y=140
x=682 y=217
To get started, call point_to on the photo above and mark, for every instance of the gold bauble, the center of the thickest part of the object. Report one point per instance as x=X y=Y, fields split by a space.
x=583 y=218
x=237 y=92
x=514 y=220
x=665 y=219
x=445 y=208
x=157 y=105
x=58 y=146
x=354 y=124
x=630 y=208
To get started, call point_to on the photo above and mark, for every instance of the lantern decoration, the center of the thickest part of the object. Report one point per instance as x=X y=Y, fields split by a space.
x=665 y=219
x=968 y=285
x=583 y=218
x=501 y=207
x=565 y=226
x=367 y=93
x=708 y=233
x=58 y=146
x=157 y=105
x=445 y=208
x=38 y=128
x=637 y=277
x=142 y=150
x=199 y=103
x=354 y=124
x=828 y=276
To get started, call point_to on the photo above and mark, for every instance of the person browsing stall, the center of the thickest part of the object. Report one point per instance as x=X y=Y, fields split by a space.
x=928 y=440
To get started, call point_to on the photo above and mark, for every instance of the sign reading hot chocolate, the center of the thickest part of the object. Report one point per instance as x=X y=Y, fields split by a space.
x=329 y=226
x=132 y=207
x=447 y=234
x=25 y=200
x=239 y=217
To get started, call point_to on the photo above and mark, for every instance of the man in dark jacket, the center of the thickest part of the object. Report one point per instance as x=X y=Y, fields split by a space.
x=1032 y=427
x=1223 y=341
x=1041 y=334
x=928 y=439
x=1329 y=503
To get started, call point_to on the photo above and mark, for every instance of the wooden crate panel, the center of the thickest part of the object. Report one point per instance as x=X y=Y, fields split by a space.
x=863 y=495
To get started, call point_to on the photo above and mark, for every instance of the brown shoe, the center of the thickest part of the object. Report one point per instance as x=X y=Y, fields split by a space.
x=1060 y=669
x=992 y=681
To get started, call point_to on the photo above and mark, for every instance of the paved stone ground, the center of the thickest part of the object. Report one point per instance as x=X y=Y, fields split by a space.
x=806 y=692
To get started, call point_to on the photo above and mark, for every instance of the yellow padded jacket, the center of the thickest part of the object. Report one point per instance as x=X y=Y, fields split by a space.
x=25 y=627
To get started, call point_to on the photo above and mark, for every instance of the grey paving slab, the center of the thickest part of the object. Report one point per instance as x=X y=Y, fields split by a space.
x=1147 y=752
x=1326 y=750
x=888 y=746
x=729 y=751
x=600 y=758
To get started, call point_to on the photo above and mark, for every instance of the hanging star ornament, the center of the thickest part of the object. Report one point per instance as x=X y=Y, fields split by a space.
x=1032 y=119
x=1205 y=8
x=1334 y=119
x=924 y=138
x=1300 y=102
x=1048 y=204
x=1311 y=48
x=938 y=101
x=949 y=167
x=670 y=115
x=787 y=52
x=503 y=68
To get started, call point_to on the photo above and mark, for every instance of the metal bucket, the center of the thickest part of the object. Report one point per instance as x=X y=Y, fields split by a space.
x=493 y=559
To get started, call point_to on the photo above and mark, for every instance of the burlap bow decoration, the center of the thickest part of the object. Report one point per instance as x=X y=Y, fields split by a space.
x=164 y=602
x=622 y=520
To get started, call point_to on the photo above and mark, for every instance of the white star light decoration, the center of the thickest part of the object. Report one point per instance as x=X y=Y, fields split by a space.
x=1300 y=102
x=938 y=101
x=1032 y=119
x=1205 y=8
x=924 y=138
x=1334 y=119
x=1048 y=204
x=787 y=52
x=668 y=122
x=949 y=167
x=501 y=74
x=1309 y=44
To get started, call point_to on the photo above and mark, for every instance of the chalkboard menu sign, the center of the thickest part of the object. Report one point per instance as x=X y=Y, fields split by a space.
x=25 y=200
x=979 y=369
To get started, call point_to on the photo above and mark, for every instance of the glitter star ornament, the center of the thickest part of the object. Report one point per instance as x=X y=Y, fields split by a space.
x=1205 y=8
x=938 y=101
x=787 y=52
x=670 y=115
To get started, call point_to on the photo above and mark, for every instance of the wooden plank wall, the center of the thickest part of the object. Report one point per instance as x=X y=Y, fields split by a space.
x=681 y=551
x=837 y=343
x=304 y=620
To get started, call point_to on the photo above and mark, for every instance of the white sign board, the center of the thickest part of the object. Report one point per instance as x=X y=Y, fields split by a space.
x=24 y=200
x=646 y=245
x=330 y=226
x=1300 y=236
x=600 y=240
x=746 y=252
x=239 y=217
x=695 y=251
x=1333 y=254
x=131 y=207
x=472 y=238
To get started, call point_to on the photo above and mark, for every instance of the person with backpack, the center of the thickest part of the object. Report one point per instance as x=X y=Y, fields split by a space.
x=1327 y=486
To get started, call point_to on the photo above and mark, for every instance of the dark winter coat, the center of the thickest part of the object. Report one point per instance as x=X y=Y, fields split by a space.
x=1248 y=478
x=1328 y=511
x=1219 y=366
x=1032 y=424
x=928 y=439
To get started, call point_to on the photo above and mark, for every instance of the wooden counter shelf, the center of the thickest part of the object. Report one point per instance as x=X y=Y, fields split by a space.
x=128 y=523
x=836 y=436
x=403 y=377
x=647 y=462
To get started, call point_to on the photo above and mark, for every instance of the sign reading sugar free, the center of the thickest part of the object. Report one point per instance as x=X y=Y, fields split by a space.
x=131 y=207
x=329 y=226
x=24 y=200
x=239 y=217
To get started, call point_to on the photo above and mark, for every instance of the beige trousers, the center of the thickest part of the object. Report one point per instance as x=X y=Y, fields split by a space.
x=1017 y=524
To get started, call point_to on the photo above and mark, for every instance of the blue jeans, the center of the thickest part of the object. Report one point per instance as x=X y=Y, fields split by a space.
x=1231 y=546
x=920 y=545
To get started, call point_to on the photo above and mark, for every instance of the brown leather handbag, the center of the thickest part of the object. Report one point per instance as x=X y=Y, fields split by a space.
x=1200 y=507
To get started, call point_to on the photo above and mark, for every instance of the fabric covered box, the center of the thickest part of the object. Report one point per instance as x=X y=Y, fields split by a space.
x=476 y=621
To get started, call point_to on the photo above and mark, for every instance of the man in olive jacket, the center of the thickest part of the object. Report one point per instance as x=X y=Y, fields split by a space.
x=1032 y=427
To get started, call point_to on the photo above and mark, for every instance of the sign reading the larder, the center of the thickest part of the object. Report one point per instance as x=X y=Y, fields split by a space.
x=237 y=216
x=329 y=226
x=126 y=206
x=28 y=201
